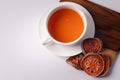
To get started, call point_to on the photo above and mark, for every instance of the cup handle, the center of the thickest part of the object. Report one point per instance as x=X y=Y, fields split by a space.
x=47 y=41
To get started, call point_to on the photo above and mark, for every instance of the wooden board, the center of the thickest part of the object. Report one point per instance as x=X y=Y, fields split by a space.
x=107 y=26
x=107 y=23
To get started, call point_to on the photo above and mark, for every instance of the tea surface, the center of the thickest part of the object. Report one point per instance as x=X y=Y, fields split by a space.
x=65 y=25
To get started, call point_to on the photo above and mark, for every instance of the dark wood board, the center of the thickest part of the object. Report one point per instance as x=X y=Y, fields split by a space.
x=107 y=23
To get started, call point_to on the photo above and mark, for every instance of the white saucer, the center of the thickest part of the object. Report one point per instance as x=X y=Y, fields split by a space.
x=61 y=50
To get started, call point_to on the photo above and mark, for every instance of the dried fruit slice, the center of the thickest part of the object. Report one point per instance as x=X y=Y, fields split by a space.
x=107 y=64
x=93 y=64
x=75 y=61
x=91 y=45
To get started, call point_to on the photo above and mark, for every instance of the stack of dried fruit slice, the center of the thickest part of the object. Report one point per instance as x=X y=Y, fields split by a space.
x=93 y=62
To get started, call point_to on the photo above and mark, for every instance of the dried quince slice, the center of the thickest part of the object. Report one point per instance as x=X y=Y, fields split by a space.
x=91 y=45
x=93 y=64
x=107 y=64
x=75 y=61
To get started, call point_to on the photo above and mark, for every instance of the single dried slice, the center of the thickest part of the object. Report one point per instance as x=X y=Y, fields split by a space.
x=75 y=61
x=91 y=45
x=93 y=64
x=107 y=64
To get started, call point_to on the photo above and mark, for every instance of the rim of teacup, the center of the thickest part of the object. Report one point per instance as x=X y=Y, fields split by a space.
x=72 y=6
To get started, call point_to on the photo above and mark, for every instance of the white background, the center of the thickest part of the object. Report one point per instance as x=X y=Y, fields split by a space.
x=22 y=57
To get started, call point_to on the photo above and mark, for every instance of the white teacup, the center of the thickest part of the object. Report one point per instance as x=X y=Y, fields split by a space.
x=71 y=6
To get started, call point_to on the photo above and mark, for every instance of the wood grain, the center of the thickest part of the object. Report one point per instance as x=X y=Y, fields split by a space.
x=107 y=23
